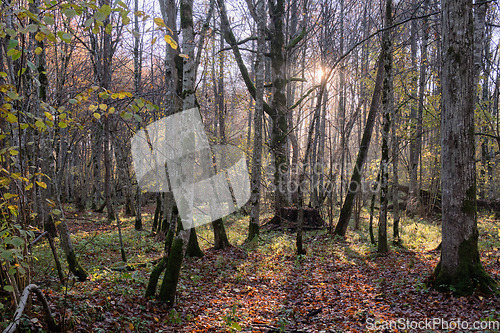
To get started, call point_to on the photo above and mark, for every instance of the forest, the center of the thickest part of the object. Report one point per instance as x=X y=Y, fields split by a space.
x=255 y=166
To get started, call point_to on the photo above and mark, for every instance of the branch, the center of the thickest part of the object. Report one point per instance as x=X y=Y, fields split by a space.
x=297 y=39
x=231 y=40
x=203 y=32
x=32 y=288
x=342 y=57
x=496 y=137
x=292 y=79
x=304 y=97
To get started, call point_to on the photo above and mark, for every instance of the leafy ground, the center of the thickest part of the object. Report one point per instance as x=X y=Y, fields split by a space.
x=261 y=287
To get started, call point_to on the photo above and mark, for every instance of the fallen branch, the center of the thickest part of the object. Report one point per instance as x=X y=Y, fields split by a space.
x=38 y=238
x=32 y=288
x=133 y=267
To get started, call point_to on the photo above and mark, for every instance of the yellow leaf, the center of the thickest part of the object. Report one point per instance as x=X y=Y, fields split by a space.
x=103 y=107
x=170 y=41
x=111 y=110
x=49 y=115
x=7 y=196
x=97 y=116
x=156 y=319
x=41 y=184
x=185 y=56
x=28 y=187
x=131 y=326
x=159 y=21
x=11 y=118
x=57 y=223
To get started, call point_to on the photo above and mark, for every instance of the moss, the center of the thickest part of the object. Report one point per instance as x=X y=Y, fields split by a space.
x=193 y=248
x=186 y=15
x=155 y=275
x=171 y=278
x=469 y=275
x=168 y=240
x=469 y=203
x=75 y=267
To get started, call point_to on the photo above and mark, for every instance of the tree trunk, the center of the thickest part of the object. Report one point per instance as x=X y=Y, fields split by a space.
x=253 y=227
x=137 y=88
x=387 y=105
x=395 y=179
x=415 y=117
x=182 y=240
x=220 y=237
x=355 y=183
x=460 y=268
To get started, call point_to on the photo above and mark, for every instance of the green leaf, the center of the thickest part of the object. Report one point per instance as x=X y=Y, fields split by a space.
x=8 y=288
x=109 y=29
x=64 y=36
x=126 y=115
x=41 y=125
x=140 y=102
x=32 y=66
x=17 y=241
x=62 y=124
x=6 y=255
x=32 y=28
x=122 y=4
x=11 y=32
x=100 y=16
x=17 y=54
x=70 y=13
x=48 y=20
x=236 y=326
x=106 y=9
x=13 y=95
x=12 y=44
x=89 y=22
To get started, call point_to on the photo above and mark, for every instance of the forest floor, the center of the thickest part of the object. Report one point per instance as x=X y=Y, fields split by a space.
x=338 y=286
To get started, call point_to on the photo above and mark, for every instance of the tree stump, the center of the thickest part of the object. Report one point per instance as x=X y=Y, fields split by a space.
x=287 y=219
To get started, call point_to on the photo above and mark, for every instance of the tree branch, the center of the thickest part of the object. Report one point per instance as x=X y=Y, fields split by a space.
x=32 y=288
x=231 y=40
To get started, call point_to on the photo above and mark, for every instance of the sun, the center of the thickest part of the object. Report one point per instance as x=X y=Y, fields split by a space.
x=319 y=73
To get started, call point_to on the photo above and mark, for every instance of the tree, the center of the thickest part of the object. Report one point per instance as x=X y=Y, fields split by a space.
x=459 y=268
x=387 y=106
x=253 y=227
x=277 y=110
x=354 y=184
